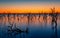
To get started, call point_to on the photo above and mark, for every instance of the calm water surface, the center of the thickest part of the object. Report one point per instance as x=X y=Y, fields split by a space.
x=33 y=26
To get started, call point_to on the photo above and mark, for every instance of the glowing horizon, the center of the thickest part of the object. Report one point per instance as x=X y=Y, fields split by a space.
x=25 y=7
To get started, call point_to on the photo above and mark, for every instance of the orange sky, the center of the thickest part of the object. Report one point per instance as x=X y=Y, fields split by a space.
x=26 y=10
x=26 y=7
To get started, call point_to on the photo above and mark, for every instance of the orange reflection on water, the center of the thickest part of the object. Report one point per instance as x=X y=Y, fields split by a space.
x=41 y=20
x=49 y=19
x=23 y=20
x=58 y=20
x=35 y=20
x=5 y=20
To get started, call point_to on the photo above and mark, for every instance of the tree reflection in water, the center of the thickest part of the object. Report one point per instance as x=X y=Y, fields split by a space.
x=16 y=30
x=54 y=25
x=13 y=32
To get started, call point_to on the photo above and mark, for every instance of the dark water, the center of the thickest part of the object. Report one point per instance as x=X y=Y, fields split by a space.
x=33 y=26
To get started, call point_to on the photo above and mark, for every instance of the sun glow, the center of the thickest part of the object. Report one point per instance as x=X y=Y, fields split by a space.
x=29 y=7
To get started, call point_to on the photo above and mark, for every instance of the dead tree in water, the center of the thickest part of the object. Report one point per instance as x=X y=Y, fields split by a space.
x=53 y=10
x=54 y=23
x=15 y=30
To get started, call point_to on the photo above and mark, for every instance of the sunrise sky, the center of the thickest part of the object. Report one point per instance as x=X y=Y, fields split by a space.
x=18 y=6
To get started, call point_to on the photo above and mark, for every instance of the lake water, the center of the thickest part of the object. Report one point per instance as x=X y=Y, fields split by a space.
x=33 y=26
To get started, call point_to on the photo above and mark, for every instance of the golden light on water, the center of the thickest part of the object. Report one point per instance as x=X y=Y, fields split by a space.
x=24 y=20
